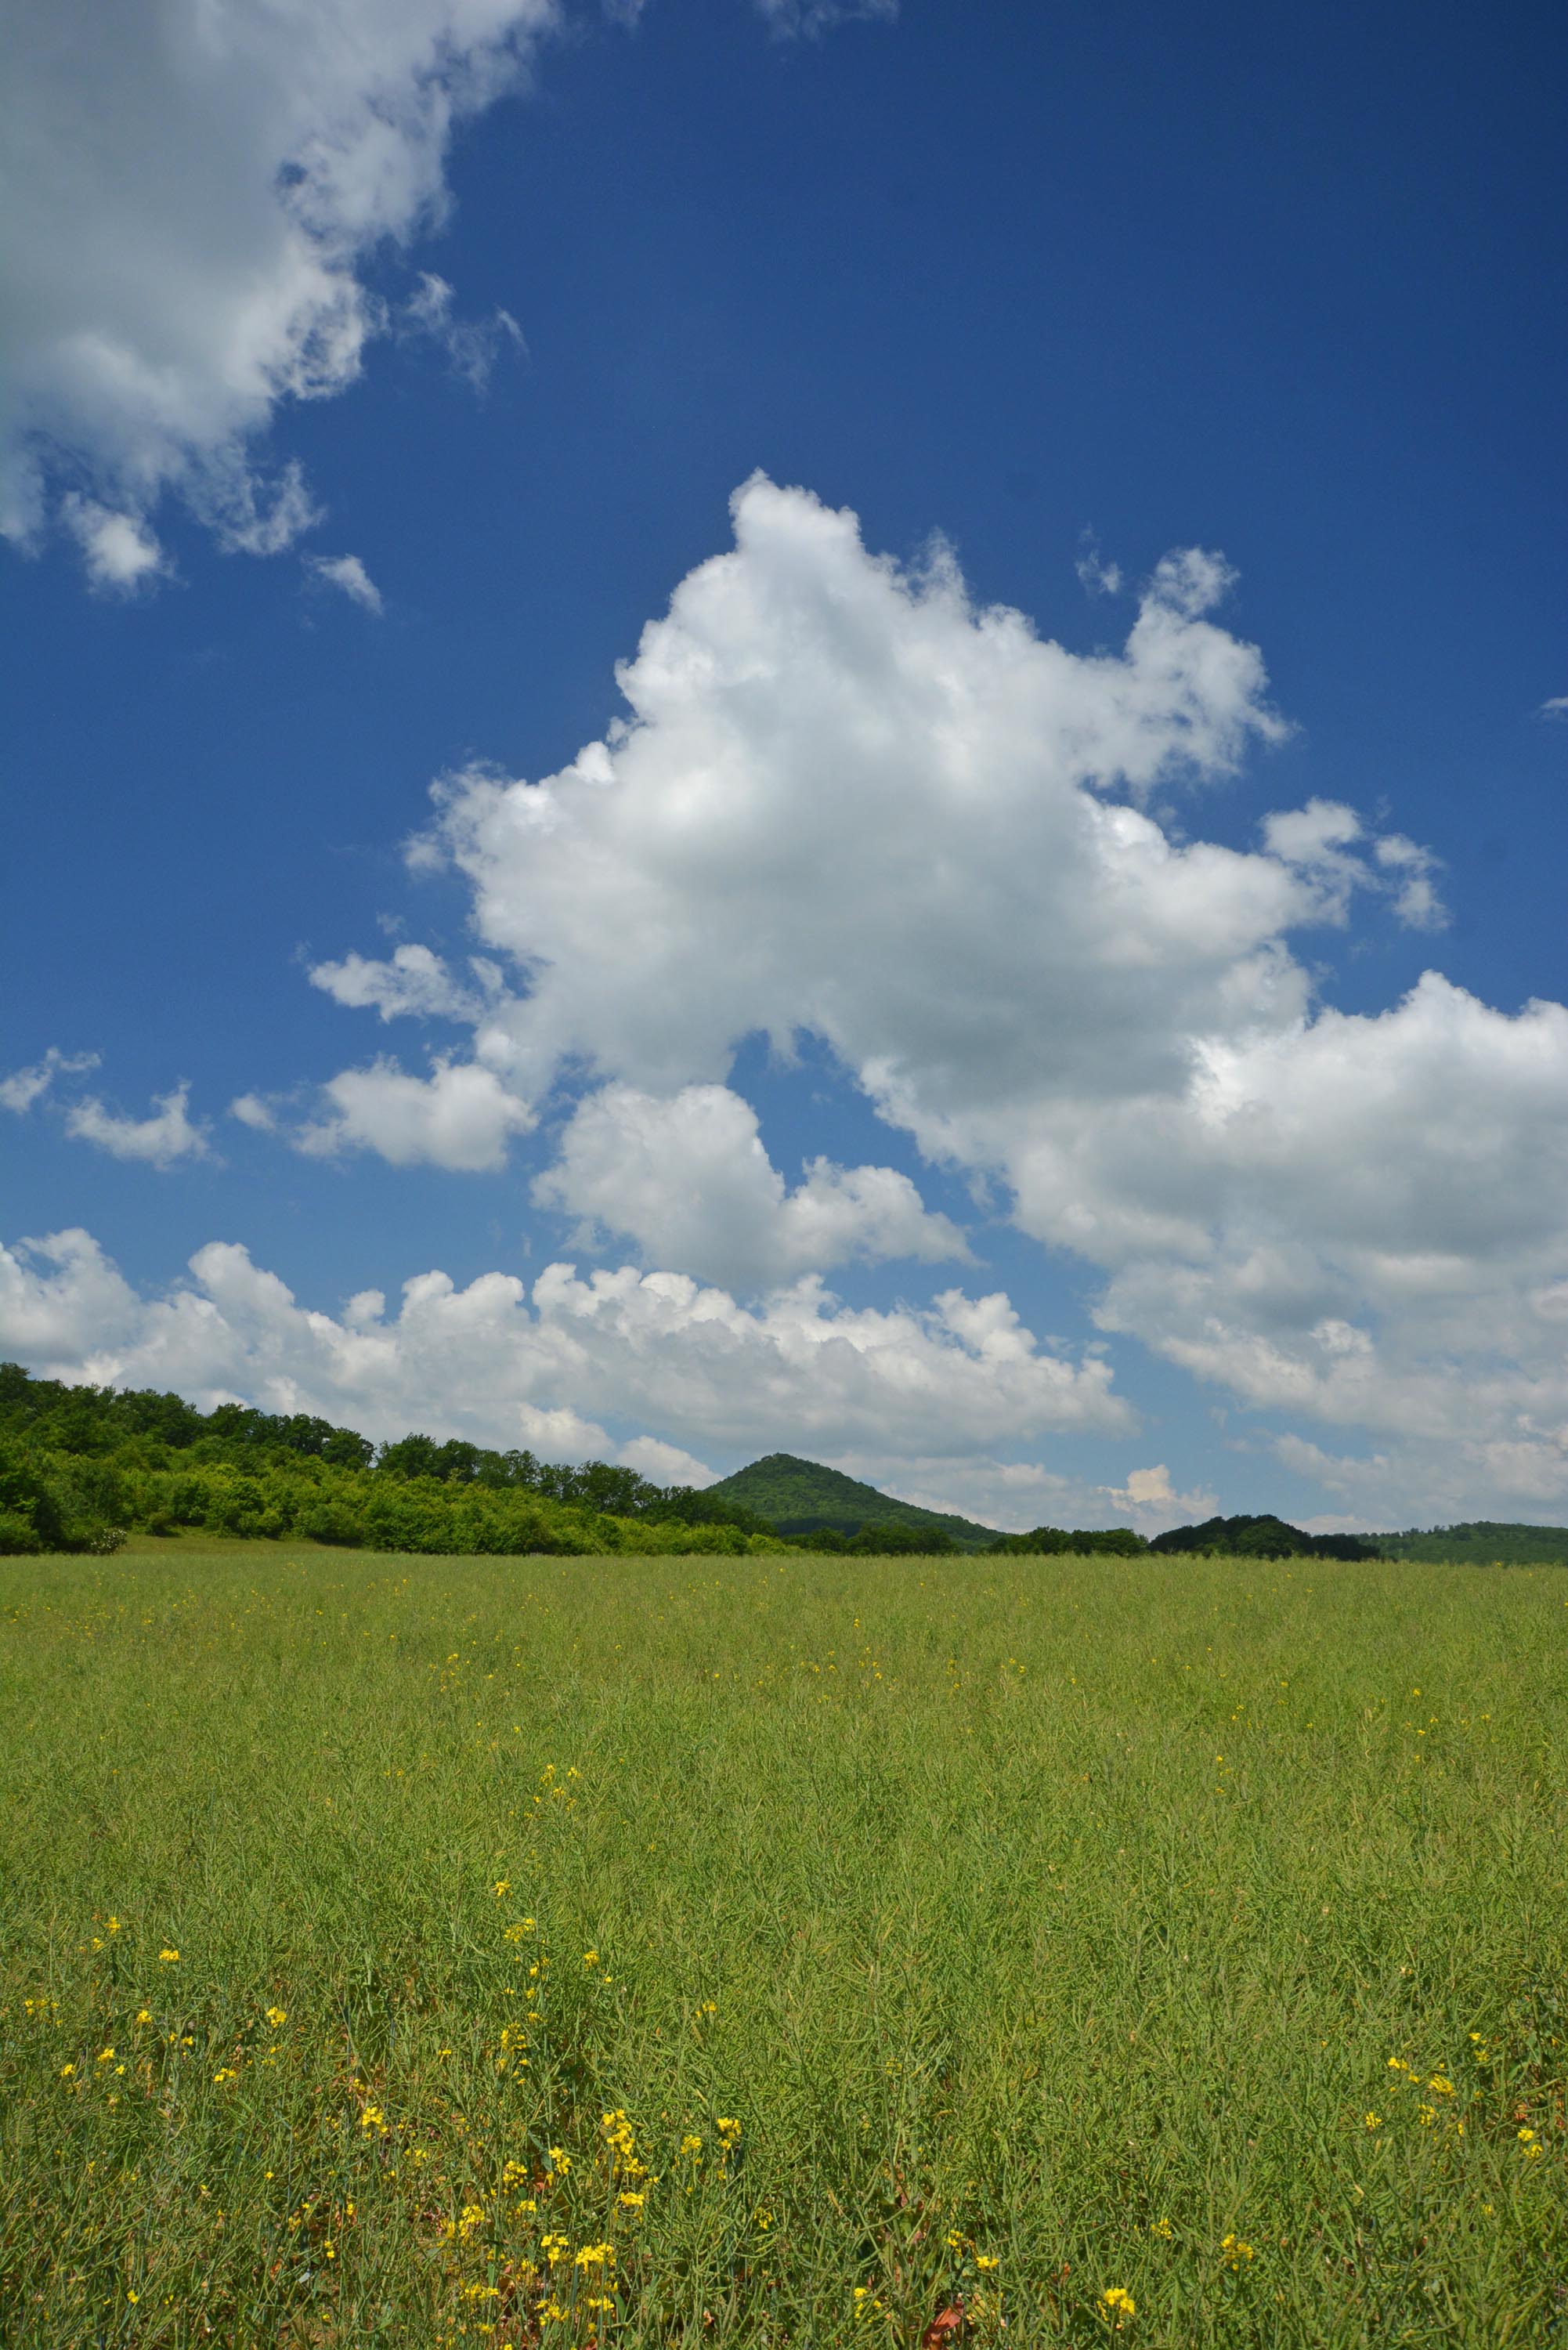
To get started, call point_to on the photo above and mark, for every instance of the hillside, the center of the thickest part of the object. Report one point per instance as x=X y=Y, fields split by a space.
x=802 y=1497
x=82 y=1467
x=1482 y=1541
x=1264 y=1538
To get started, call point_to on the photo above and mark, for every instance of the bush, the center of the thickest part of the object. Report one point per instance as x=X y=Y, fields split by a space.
x=334 y=1521
x=31 y=1518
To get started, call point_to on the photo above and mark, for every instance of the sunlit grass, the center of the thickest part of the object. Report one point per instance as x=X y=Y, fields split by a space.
x=656 y=1950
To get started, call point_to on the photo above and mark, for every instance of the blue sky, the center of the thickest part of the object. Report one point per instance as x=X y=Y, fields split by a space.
x=1074 y=289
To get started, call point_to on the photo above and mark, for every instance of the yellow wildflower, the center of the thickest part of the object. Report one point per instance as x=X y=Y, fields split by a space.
x=1117 y=2299
x=170 y=1957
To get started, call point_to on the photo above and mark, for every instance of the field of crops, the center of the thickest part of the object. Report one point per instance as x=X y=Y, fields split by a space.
x=650 y=1950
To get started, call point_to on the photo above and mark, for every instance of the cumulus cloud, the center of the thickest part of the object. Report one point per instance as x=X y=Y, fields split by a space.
x=460 y=1118
x=192 y=188
x=160 y=1140
x=348 y=575
x=414 y=982
x=121 y=552
x=193 y=191
x=685 y=1366
x=1557 y=707
x=848 y=801
x=1327 y=843
x=1152 y=1503
x=23 y=1087
x=689 y=1180
x=253 y=1111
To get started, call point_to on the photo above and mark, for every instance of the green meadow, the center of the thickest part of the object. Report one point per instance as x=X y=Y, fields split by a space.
x=777 y=1950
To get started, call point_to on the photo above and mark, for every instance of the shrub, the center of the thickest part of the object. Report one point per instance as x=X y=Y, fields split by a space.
x=31 y=1518
x=334 y=1521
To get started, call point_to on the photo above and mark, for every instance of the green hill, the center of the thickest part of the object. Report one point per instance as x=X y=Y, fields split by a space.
x=802 y=1497
x=1482 y=1541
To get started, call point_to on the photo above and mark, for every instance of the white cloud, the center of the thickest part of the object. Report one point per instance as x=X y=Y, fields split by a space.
x=253 y=1111
x=23 y=1087
x=346 y=573
x=1411 y=869
x=682 y=1364
x=461 y=1118
x=1152 y=1503
x=415 y=982
x=472 y=346
x=1557 y=707
x=121 y=552
x=190 y=188
x=1324 y=841
x=666 y=1464
x=848 y=801
x=1098 y=577
x=796 y=19
x=158 y=1141
x=60 y=1298
x=689 y=1180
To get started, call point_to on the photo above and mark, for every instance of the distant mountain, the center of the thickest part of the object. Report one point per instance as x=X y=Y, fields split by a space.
x=802 y=1497
x=1264 y=1538
x=1484 y=1542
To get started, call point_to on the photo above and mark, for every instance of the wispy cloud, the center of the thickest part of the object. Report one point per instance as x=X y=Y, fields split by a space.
x=23 y=1087
x=473 y=345
x=346 y=573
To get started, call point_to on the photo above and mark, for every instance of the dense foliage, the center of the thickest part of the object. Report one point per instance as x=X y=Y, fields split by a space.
x=1484 y=1541
x=1081 y=1542
x=1262 y=1537
x=81 y=1466
x=1239 y=1537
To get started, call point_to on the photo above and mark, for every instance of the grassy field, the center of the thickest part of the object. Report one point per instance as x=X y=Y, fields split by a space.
x=680 y=1951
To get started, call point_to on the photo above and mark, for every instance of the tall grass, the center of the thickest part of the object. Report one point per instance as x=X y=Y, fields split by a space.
x=650 y=1950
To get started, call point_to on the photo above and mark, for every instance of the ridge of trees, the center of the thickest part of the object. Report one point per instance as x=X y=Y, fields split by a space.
x=1235 y=1537
x=82 y=1466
